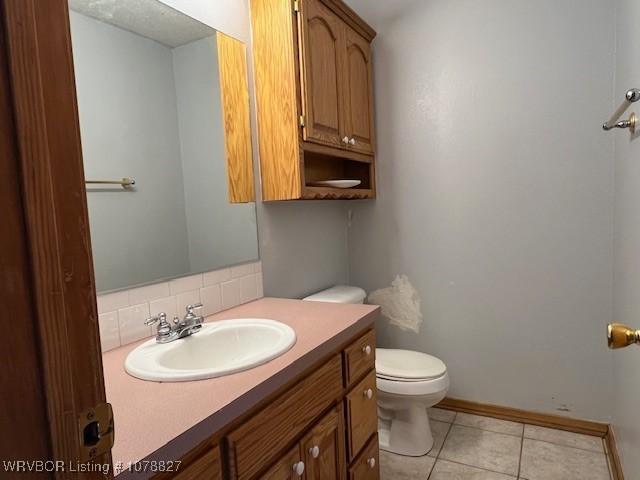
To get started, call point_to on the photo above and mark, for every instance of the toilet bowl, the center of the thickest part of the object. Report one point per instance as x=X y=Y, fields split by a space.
x=408 y=384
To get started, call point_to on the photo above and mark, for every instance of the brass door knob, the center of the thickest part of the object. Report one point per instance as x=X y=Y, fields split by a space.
x=620 y=336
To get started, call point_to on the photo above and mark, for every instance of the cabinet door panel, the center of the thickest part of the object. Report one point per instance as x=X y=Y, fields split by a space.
x=359 y=94
x=367 y=465
x=322 y=44
x=285 y=468
x=324 y=450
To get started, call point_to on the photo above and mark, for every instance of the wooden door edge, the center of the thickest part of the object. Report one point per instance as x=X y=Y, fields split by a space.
x=55 y=211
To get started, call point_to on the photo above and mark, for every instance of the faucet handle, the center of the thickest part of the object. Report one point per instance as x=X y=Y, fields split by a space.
x=160 y=318
x=191 y=308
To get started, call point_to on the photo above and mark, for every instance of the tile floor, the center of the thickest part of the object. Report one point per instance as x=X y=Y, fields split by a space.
x=470 y=447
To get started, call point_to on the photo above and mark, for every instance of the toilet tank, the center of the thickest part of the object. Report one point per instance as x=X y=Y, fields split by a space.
x=339 y=294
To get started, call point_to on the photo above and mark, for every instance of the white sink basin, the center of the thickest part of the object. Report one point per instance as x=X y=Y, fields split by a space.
x=219 y=348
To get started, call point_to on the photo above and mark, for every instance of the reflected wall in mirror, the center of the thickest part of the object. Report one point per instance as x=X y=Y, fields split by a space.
x=163 y=100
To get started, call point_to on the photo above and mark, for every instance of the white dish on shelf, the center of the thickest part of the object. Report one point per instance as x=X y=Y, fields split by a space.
x=336 y=183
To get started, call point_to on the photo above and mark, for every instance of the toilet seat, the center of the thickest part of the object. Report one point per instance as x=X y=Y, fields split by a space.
x=407 y=365
x=405 y=372
x=420 y=387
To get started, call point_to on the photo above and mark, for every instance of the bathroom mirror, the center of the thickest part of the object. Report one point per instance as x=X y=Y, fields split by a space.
x=163 y=107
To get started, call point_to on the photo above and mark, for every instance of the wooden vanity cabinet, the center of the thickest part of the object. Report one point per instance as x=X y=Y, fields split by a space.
x=312 y=63
x=321 y=426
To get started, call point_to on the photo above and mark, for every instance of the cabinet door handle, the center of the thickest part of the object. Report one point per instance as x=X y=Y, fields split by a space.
x=368 y=393
x=352 y=141
x=298 y=468
x=345 y=140
x=314 y=451
x=371 y=462
x=366 y=350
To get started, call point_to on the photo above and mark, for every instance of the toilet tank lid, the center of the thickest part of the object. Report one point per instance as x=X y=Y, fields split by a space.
x=339 y=294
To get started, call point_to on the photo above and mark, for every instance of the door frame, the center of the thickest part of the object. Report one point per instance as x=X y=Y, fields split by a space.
x=50 y=276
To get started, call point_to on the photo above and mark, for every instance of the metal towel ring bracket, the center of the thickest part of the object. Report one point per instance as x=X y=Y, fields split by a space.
x=631 y=96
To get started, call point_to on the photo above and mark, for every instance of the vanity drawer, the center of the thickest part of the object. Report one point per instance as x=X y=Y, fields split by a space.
x=362 y=413
x=360 y=357
x=257 y=442
x=367 y=465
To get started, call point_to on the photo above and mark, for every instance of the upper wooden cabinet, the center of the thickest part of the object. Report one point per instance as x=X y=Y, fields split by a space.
x=312 y=62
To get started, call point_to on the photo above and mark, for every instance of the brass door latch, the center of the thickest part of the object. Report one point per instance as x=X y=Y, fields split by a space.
x=97 y=431
x=620 y=336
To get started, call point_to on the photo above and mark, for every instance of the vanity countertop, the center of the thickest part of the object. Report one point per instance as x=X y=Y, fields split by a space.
x=164 y=421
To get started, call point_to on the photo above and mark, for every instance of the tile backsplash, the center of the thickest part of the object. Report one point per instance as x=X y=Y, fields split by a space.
x=121 y=315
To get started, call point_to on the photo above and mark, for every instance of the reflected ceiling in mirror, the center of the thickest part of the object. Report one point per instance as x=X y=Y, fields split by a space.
x=150 y=107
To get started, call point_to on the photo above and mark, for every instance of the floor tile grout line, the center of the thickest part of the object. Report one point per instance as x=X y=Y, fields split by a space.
x=444 y=440
x=521 y=449
x=522 y=435
x=603 y=452
x=438 y=457
x=477 y=468
x=485 y=430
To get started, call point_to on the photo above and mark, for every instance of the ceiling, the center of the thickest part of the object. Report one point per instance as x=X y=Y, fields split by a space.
x=377 y=12
x=148 y=18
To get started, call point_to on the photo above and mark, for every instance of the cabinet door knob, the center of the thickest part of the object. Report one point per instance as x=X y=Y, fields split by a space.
x=352 y=141
x=366 y=350
x=298 y=468
x=368 y=393
x=371 y=462
x=314 y=451
x=345 y=140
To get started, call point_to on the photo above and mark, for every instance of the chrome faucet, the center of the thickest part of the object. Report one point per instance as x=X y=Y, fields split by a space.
x=189 y=325
x=191 y=322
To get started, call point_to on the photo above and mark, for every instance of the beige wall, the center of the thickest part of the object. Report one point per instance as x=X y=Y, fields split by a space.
x=495 y=195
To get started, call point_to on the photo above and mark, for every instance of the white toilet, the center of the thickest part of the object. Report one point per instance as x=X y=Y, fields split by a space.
x=408 y=383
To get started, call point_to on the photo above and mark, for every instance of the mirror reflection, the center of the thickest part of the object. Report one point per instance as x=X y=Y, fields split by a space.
x=152 y=112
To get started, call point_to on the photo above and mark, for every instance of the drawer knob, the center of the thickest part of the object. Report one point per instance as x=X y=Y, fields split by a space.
x=314 y=451
x=368 y=393
x=298 y=468
x=371 y=462
x=352 y=141
x=345 y=140
x=367 y=350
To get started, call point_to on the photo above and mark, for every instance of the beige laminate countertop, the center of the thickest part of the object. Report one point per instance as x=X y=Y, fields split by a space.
x=164 y=421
